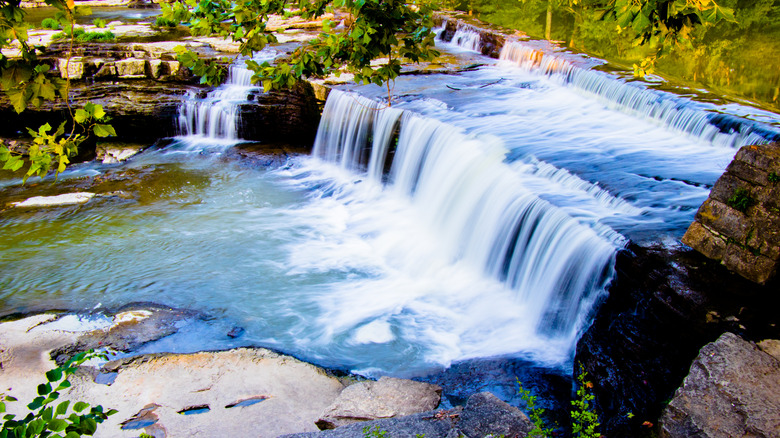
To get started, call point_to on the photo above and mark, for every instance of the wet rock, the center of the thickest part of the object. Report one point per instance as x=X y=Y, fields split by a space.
x=433 y=424
x=385 y=398
x=55 y=201
x=109 y=153
x=739 y=224
x=131 y=327
x=483 y=416
x=732 y=390
x=290 y=116
x=235 y=332
x=663 y=306
x=486 y=415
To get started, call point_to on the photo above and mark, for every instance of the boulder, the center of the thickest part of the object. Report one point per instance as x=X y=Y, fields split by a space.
x=663 y=306
x=732 y=390
x=385 y=398
x=485 y=415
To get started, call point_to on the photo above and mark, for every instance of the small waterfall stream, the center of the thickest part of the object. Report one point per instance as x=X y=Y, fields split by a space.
x=215 y=116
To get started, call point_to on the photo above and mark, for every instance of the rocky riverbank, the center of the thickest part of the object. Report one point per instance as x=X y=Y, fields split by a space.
x=240 y=392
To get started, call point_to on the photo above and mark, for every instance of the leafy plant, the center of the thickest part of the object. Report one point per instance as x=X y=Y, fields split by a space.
x=27 y=82
x=376 y=432
x=534 y=413
x=50 y=23
x=164 y=22
x=773 y=177
x=97 y=22
x=584 y=419
x=741 y=200
x=390 y=30
x=47 y=420
x=80 y=35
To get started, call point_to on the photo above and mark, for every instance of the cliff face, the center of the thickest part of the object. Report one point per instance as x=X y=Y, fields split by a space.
x=739 y=224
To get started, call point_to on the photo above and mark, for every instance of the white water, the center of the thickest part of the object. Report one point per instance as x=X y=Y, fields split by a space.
x=215 y=117
x=479 y=215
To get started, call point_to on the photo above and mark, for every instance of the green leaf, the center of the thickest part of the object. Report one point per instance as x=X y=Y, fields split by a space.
x=98 y=112
x=104 y=130
x=54 y=375
x=80 y=406
x=81 y=116
x=10 y=399
x=62 y=408
x=43 y=388
x=57 y=425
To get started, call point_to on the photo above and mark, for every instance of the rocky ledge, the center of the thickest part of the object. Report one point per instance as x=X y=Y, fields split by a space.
x=239 y=392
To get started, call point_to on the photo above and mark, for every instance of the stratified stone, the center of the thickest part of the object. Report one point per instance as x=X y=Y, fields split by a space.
x=131 y=68
x=705 y=240
x=388 y=397
x=71 y=69
x=745 y=241
x=732 y=390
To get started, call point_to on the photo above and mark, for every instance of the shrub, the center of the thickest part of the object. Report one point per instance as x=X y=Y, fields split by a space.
x=81 y=36
x=164 y=22
x=99 y=23
x=50 y=23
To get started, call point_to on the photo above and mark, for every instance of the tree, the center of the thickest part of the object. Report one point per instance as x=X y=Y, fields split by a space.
x=26 y=81
x=388 y=29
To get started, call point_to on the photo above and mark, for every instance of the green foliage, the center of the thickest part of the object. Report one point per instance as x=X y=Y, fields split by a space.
x=97 y=22
x=164 y=22
x=741 y=200
x=390 y=30
x=773 y=177
x=584 y=419
x=376 y=432
x=80 y=35
x=47 y=419
x=27 y=81
x=535 y=413
x=50 y=23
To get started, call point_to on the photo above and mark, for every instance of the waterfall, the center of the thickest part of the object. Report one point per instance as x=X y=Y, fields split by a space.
x=465 y=36
x=215 y=116
x=484 y=210
x=636 y=99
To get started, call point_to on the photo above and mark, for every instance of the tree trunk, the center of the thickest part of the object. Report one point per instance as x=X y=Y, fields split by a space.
x=548 y=26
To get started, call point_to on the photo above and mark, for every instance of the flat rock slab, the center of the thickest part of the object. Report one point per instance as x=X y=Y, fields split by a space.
x=241 y=392
x=385 y=398
x=732 y=390
x=55 y=201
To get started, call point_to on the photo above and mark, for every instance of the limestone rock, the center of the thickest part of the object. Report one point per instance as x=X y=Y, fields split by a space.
x=131 y=68
x=73 y=69
x=433 y=424
x=732 y=390
x=55 y=201
x=744 y=236
x=241 y=392
x=385 y=398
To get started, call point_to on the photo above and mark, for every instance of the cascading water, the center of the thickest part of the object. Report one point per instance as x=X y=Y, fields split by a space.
x=664 y=108
x=215 y=117
x=481 y=210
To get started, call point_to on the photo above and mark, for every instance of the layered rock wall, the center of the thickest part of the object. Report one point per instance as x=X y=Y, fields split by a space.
x=739 y=224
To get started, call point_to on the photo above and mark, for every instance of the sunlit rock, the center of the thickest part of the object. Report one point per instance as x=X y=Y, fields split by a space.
x=55 y=201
